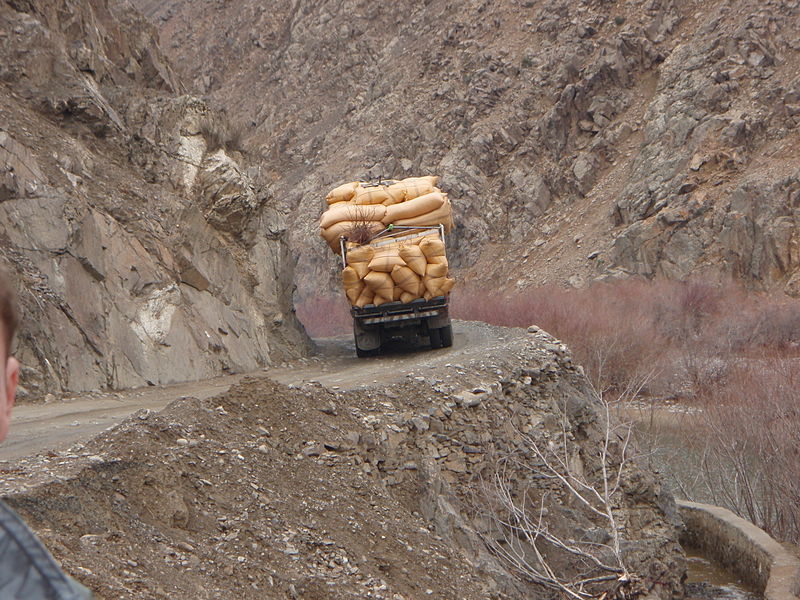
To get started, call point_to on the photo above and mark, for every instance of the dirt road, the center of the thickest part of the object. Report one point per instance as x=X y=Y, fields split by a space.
x=57 y=425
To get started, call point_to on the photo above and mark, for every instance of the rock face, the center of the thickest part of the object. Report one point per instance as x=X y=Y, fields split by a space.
x=661 y=132
x=141 y=247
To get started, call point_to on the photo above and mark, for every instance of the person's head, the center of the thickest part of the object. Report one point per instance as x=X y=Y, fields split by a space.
x=9 y=374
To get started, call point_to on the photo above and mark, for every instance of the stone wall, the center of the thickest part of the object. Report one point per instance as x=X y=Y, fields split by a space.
x=743 y=548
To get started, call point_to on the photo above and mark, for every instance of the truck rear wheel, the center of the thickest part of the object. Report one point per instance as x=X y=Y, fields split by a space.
x=366 y=353
x=436 y=338
x=446 y=336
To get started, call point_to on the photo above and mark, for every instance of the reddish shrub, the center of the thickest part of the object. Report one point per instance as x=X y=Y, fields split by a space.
x=325 y=316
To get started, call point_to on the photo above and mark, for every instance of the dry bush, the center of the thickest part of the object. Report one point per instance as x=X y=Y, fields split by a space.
x=733 y=352
x=325 y=316
x=605 y=326
x=362 y=230
x=748 y=440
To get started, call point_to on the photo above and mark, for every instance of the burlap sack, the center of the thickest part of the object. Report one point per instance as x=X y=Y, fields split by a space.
x=346 y=211
x=386 y=259
x=380 y=283
x=396 y=193
x=432 y=247
x=350 y=277
x=362 y=268
x=414 y=258
x=343 y=193
x=447 y=285
x=414 y=208
x=379 y=299
x=397 y=293
x=406 y=279
x=419 y=186
x=407 y=297
x=439 y=216
x=353 y=292
x=436 y=269
x=371 y=195
x=360 y=254
x=366 y=297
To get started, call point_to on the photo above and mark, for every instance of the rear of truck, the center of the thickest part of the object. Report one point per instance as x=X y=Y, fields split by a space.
x=421 y=321
x=390 y=236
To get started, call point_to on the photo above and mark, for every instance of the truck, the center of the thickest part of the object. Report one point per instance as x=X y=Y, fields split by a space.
x=419 y=322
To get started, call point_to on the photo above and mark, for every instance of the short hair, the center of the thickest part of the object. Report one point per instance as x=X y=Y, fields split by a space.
x=9 y=315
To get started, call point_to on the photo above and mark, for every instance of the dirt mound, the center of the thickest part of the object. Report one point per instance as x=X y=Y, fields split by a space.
x=284 y=492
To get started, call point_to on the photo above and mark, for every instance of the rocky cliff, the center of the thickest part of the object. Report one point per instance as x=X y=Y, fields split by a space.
x=142 y=247
x=658 y=137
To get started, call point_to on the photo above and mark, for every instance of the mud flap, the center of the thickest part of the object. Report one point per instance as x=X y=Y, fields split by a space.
x=440 y=320
x=366 y=338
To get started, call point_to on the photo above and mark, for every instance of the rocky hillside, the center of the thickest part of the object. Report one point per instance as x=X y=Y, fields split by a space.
x=143 y=249
x=657 y=137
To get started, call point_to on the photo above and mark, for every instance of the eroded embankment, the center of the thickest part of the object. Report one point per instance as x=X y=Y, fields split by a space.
x=272 y=491
x=743 y=548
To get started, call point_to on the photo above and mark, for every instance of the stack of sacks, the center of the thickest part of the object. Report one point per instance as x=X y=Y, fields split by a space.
x=356 y=206
x=401 y=271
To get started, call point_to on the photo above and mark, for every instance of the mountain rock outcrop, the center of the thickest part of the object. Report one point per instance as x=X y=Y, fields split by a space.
x=658 y=136
x=142 y=248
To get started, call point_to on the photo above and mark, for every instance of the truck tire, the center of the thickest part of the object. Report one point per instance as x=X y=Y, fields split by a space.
x=446 y=336
x=436 y=338
x=366 y=353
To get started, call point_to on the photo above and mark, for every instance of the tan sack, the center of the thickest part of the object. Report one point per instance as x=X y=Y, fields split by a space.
x=379 y=299
x=371 y=195
x=432 y=283
x=432 y=247
x=343 y=193
x=436 y=269
x=366 y=297
x=406 y=279
x=350 y=277
x=354 y=292
x=414 y=208
x=386 y=259
x=414 y=258
x=440 y=216
x=360 y=254
x=407 y=297
x=448 y=284
x=380 y=283
x=397 y=293
x=345 y=211
x=437 y=260
x=362 y=268
x=419 y=186
x=396 y=193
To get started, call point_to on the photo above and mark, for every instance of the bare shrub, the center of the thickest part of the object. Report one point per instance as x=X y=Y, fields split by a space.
x=748 y=440
x=729 y=353
x=605 y=326
x=361 y=231
x=527 y=535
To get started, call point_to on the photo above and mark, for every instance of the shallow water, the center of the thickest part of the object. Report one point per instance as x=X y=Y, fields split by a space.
x=707 y=580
